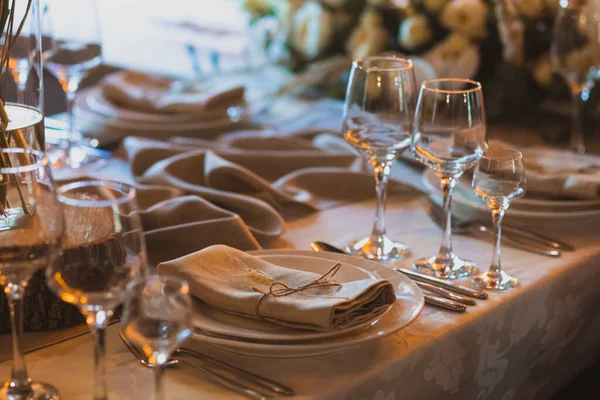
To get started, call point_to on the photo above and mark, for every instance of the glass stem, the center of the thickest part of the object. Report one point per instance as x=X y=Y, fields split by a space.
x=497 y=217
x=382 y=170
x=446 y=253
x=19 y=379
x=97 y=324
x=158 y=389
x=577 y=138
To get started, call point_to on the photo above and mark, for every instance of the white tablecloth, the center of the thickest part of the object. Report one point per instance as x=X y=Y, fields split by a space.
x=524 y=344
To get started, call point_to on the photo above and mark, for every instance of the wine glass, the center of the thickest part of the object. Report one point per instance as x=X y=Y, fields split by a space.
x=31 y=232
x=499 y=178
x=575 y=55
x=378 y=116
x=158 y=320
x=449 y=137
x=70 y=53
x=104 y=251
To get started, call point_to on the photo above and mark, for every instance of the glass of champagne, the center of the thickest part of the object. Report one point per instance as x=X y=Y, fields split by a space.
x=575 y=55
x=158 y=320
x=70 y=53
x=31 y=233
x=499 y=178
x=104 y=251
x=449 y=137
x=378 y=117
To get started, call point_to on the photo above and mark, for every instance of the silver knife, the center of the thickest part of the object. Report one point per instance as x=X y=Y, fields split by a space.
x=446 y=293
x=528 y=244
x=478 y=294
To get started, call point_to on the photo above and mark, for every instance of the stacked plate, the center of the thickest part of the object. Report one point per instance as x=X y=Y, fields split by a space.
x=265 y=339
x=525 y=210
x=107 y=121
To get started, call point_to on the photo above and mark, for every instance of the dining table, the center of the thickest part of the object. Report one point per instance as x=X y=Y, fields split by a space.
x=527 y=343
x=523 y=344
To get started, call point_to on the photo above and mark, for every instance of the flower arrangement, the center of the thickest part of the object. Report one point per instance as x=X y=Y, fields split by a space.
x=503 y=43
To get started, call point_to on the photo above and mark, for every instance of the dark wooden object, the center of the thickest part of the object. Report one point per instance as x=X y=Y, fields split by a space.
x=43 y=310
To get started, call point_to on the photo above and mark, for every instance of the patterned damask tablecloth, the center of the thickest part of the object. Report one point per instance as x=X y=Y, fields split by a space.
x=524 y=344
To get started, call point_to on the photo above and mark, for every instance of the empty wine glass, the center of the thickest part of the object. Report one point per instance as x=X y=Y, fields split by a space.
x=158 y=320
x=449 y=137
x=499 y=178
x=104 y=251
x=70 y=53
x=31 y=232
x=378 y=116
x=575 y=55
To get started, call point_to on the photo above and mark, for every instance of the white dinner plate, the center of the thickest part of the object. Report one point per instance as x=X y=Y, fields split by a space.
x=465 y=196
x=265 y=339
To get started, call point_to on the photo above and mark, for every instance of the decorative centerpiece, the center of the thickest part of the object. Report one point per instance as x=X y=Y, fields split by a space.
x=503 y=43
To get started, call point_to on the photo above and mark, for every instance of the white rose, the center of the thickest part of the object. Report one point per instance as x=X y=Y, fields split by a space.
x=369 y=38
x=530 y=8
x=466 y=16
x=414 y=32
x=434 y=6
x=542 y=71
x=454 y=57
x=312 y=30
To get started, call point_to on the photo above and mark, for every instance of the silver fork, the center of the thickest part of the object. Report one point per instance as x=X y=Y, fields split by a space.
x=234 y=385
x=514 y=237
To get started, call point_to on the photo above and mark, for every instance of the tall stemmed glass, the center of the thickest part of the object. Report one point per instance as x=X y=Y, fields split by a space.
x=104 y=252
x=31 y=232
x=449 y=137
x=158 y=319
x=575 y=55
x=499 y=178
x=378 y=116
x=71 y=51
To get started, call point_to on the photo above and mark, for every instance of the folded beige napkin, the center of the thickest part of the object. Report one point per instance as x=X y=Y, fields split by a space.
x=228 y=169
x=561 y=174
x=144 y=92
x=236 y=282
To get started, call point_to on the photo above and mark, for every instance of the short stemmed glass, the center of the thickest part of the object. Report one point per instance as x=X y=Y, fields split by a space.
x=378 y=116
x=71 y=52
x=575 y=55
x=31 y=233
x=158 y=320
x=104 y=251
x=449 y=137
x=499 y=178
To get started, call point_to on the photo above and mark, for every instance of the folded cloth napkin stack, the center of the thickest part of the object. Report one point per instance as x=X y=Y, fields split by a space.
x=256 y=174
x=142 y=92
x=238 y=283
x=561 y=174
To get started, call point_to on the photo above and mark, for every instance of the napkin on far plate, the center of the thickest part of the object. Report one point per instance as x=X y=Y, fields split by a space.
x=557 y=174
x=139 y=91
x=241 y=284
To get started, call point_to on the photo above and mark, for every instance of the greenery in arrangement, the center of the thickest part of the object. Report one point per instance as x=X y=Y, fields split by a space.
x=10 y=31
x=502 y=43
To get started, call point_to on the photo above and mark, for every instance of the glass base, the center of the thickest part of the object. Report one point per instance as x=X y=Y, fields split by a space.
x=39 y=391
x=495 y=281
x=381 y=249
x=453 y=268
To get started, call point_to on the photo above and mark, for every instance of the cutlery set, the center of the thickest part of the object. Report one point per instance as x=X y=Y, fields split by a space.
x=438 y=293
